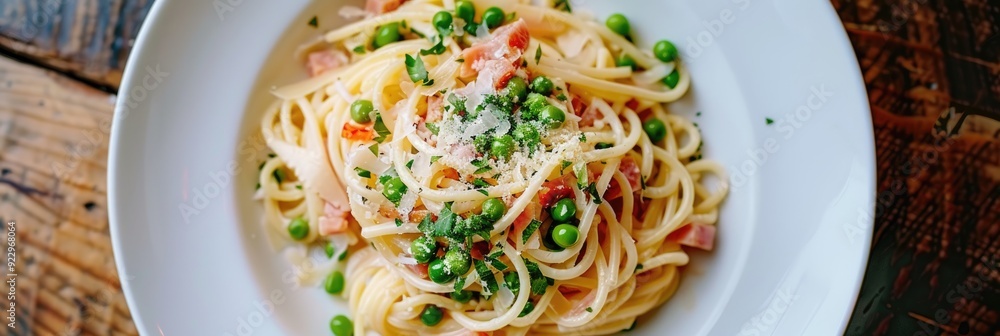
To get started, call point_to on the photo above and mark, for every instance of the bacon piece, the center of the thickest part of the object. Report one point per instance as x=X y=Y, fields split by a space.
x=695 y=235
x=588 y=116
x=382 y=6
x=508 y=44
x=419 y=269
x=320 y=62
x=631 y=170
x=480 y=250
x=334 y=219
x=357 y=133
x=435 y=109
x=553 y=191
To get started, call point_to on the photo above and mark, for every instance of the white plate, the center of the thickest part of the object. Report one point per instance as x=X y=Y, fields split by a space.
x=794 y=233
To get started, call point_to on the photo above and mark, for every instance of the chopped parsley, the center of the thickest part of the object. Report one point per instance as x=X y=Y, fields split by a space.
x=539 y=282
x=299 y=187
x=642 y=182
x=503 y=103
x=538 y=54
x=594 y=195
x=460 y=60
x=314 y=22
x=564 y=165
x=399 y=222
x=480 y=183
x=279 y=175
x=561 y=96
x=497 y=264
x=459 y=283
x=417 y=32
x=435 y=158
x=483 y=165
x=380 y=128
x=362 y=172
x=563 y=5
x=589 y=310
x=510 y=17
x=582 y=178
x=415 y=68
x=583 y=137
x=443 y=226
x=698 y=114
x=433 y=128
x=769 y=120
x=490 y=285
x=529 y=230
x=638 y=267
x=437 y=49
x=484 y=192
x=374 y=149
x=359 y=49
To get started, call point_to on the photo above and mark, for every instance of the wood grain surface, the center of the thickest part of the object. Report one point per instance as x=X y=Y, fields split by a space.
x=53 y=160
x=933 y=73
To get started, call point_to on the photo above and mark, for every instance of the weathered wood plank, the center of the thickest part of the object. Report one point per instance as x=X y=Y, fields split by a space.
x=89 y=39
x=53 y=153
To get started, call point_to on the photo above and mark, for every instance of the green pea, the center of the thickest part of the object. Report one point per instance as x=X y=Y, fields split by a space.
x=465 y=10
x=361 y=111
x=518 y=88
x=618 y=23
x=461 y=296
x=423 y=249
x=387 y=34
x=503 y=147
x=552 y=116
x=655 y=129
x=438 y=272
x=534 y=104
x=442 y=21
x=563 y=210
x=665 y=51
x=431 y=316
x=603 y=145
x=548 y=242
x=493 y=17
x=672 y=79
x=394 y=189
x=565 y=235
x=527 y=135
x=626 y=61
x=298 y=229
x=494 y=209
x=528 y=308
x=341 y=326
x=334 y=283
x=542 y=85
x=457 y=261
x=513 y=282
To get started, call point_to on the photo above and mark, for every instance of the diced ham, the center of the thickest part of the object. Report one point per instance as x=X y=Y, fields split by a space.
x=320 y=62
x=357 y=133
x=334 y=219
x=553 y=191
x=480 y=250
x=508 y=44
x=632 y=174
x=632 y=104
x=419 y=270
x=695 y=235
x=435 y=109
x=523 y=219
x=587 y=115
x=382 y=6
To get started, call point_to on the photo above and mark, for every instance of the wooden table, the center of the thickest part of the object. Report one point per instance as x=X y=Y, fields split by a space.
x=933 y=75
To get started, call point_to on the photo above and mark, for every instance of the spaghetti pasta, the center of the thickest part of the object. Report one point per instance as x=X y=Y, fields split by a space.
x=517 y=173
